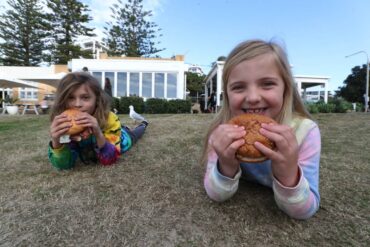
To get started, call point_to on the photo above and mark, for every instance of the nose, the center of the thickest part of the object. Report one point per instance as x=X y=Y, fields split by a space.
x=77 y=103
x=252 y=96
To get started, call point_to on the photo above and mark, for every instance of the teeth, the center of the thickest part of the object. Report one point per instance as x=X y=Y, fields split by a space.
x=253 y=110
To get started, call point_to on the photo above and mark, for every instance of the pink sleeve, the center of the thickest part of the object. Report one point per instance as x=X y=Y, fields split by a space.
x=218 y=187
x=302 y=201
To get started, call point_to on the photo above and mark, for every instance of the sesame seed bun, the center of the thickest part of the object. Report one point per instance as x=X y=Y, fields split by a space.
x=252 y=123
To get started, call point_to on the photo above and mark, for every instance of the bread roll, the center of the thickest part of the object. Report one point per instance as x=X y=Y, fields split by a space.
x=75 y=129
x=252 y=124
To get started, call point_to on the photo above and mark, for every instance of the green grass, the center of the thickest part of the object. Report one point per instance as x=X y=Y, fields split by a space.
x=154 y=196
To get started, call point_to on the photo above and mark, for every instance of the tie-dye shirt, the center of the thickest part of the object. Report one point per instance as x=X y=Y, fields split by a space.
x=301 y=201
x=117 y=138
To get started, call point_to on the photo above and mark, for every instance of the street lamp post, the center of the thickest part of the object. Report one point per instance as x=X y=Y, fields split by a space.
x=366 y=96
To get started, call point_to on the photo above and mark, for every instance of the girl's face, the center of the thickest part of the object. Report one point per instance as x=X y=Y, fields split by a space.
x=83 y=99
x=255 y=86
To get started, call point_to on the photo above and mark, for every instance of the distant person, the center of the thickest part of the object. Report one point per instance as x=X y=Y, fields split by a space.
x=107 y=138
x=108 y=87
x=85 y=69
x=257 y=79
x=212 y=102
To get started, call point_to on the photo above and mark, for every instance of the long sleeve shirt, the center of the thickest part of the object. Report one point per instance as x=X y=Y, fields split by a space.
x=301 y=201
x=117 y=141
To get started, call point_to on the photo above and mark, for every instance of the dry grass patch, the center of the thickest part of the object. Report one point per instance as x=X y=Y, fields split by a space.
x=154 y=196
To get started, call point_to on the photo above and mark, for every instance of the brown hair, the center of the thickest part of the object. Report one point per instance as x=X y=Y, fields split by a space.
x=247 y=50
x=70 y=83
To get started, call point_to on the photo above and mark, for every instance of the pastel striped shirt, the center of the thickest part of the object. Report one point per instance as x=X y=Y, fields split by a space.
x=301 y=201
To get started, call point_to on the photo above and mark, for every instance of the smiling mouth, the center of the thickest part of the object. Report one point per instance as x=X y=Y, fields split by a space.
x=255 y=111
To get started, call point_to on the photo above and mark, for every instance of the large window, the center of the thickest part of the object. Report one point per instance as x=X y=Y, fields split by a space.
x=28 y=93
x=147 y=85
x=134 y=84
x=98 y=76
x=110 y=76
x=159 y=85
x=171 y=85
x=121 y=84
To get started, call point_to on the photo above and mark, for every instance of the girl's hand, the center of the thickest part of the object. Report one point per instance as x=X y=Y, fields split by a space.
x=225 y=140
x=59 y=127
x=284 y=160
x=86 y=120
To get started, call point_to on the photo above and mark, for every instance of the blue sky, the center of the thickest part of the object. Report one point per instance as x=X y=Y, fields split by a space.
x=317 y=34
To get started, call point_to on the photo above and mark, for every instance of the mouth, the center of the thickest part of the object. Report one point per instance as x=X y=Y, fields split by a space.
x=254 y=110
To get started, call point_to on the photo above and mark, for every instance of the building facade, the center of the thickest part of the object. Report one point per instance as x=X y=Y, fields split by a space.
x=144 y=77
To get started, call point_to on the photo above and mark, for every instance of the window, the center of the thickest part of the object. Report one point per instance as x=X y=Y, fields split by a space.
x=121 y=84
x=28 y=93
x=147 y=85
x=171 y=85
x=98 y=76
x=110 y=76
x=159 y=85
x=134 y=84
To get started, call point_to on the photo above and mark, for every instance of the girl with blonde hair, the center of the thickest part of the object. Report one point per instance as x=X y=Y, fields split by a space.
x=257 y=79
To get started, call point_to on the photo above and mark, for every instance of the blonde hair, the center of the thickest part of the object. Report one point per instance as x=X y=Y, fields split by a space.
x=247 y=50
x=70 y=83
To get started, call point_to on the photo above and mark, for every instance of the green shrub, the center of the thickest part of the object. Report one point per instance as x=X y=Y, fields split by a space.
x=325 y=108
x=135 y=101
x=179 y=106
x=115 y=104
x=359 y=107
x=342 y=106
x=312 y=108
x=156 y=106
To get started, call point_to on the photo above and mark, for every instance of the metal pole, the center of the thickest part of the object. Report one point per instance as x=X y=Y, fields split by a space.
x=366 y=95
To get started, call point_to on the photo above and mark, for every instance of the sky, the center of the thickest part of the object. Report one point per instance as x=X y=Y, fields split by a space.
x=317 y=34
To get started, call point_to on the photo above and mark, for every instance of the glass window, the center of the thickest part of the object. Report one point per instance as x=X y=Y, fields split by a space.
x=98 y=76
x=121 y=84
x=110 y=76
x=147 y=85
x=159 y=85
x=171 y=85
x=134 y=84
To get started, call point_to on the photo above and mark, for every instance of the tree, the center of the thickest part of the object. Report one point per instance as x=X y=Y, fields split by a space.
x=354 y=88
x=68 y=19
x=194 y=83
x=23 y=30
x=131 y=34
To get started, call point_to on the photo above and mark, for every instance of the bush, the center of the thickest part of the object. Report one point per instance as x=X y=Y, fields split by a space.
x=179 y=106
x=312 y=108
x=136 y=102
x=342 y=105
x=325 y=108
x=156 y=106
x=115 y=104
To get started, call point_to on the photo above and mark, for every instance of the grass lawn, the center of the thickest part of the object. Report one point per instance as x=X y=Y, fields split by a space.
x=154 y=196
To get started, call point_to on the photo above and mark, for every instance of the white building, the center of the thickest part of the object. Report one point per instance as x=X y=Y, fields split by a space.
x=144 y=77
x=213 y=82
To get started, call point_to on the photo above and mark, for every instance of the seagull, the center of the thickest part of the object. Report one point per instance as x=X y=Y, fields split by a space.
x=135 y=116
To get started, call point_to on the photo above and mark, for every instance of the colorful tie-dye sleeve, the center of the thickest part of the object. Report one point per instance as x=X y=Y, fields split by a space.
x=302 y=201
x=62 y=158
x=109 y=153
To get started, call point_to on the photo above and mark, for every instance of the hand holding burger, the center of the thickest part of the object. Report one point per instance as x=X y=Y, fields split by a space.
x=75 y=132
x=252 y=124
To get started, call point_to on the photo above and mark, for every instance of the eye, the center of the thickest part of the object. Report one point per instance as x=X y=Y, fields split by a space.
x=237 y=87
x=268 y=84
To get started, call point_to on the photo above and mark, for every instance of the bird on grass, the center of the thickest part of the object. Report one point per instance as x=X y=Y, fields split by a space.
x=135 y=116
